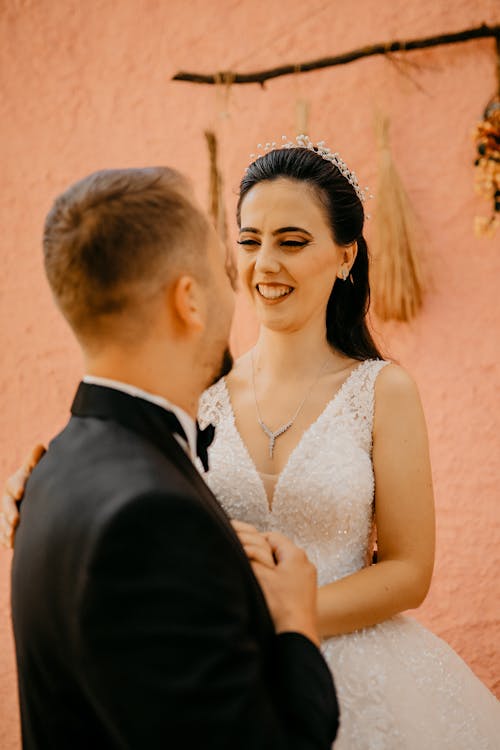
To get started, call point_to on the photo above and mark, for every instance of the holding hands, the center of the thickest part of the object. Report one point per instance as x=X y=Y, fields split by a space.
x=255 y=544
x=287 y=578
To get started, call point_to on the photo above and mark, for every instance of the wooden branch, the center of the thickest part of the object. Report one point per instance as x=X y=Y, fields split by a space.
x=229 y=77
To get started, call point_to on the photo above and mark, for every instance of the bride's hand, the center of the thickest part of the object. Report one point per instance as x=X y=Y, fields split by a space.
x=254 y=543
x=13 y=493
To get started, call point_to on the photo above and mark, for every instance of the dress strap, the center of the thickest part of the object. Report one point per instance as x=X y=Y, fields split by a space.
x=359 y=397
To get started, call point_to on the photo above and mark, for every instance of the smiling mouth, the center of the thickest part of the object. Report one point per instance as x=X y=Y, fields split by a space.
x=273 y=292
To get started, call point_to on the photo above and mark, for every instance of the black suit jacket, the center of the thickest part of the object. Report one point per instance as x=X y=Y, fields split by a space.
x=138 y=621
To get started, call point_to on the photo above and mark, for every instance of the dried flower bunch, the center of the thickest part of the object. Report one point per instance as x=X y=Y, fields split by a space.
x=487 y=164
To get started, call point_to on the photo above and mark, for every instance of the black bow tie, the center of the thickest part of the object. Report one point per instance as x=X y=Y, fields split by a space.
x=204 y=438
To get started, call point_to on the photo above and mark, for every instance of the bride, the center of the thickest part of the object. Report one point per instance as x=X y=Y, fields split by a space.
x=321 y=439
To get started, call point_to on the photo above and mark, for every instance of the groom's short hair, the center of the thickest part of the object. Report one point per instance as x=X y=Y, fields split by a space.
x=114 y=237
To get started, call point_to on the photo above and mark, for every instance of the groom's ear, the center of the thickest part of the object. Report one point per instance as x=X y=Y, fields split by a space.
x=189 y=304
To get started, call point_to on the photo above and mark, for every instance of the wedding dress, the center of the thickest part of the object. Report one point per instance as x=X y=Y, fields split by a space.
x=400 y=687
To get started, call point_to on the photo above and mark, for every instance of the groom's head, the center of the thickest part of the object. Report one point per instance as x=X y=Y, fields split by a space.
x=129 y=255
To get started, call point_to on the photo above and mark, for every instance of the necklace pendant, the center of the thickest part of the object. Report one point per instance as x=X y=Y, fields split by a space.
x=272 y=441
x=273 y=435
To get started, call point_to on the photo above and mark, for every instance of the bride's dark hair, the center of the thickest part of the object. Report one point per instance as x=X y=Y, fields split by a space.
x=346 y=327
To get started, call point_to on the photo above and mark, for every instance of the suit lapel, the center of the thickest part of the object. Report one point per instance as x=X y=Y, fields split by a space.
x=184 y=463
x=148 y=420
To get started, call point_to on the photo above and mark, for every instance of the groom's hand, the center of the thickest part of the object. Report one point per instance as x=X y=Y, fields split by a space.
x=13 y=493
x=290 y=588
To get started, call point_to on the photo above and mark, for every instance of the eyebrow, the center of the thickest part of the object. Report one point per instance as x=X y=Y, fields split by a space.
x=282 y=230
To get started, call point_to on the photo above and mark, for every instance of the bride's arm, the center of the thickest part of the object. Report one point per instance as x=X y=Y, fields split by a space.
x=404 y=511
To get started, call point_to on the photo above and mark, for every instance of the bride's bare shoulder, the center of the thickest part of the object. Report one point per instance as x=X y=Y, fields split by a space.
x=396 y=393
x=394 y=380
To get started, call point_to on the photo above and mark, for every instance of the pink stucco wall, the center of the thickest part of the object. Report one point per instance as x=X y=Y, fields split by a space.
x=86 y=85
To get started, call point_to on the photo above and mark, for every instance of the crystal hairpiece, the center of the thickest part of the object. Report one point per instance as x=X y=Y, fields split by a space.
x=320 y=148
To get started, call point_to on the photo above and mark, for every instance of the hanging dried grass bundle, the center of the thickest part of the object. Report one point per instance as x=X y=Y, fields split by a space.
x=302 y=107
x=215 y=200
x=216 y=205
x=396 y=277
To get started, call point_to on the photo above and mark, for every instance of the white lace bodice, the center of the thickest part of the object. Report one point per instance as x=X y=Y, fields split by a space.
x=400 y=687
x=323 y=499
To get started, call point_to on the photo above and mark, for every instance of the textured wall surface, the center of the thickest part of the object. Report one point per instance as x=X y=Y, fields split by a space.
x=86 y=85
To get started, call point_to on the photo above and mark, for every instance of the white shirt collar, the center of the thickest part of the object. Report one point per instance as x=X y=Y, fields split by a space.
x=184 y=418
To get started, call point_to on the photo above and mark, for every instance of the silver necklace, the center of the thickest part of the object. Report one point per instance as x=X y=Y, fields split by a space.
x=273 y=436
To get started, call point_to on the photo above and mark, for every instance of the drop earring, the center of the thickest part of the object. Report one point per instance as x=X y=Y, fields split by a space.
x=345 y=273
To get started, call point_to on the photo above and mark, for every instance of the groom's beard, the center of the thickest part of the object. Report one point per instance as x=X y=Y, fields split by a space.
x=225 y=367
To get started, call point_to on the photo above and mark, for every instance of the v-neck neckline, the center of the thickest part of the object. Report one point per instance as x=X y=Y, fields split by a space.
x=270 y=503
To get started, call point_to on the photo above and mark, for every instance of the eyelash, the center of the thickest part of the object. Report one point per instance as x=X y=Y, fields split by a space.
x=286 y=243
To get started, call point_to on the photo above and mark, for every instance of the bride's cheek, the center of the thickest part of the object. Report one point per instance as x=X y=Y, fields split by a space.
x=245 y=273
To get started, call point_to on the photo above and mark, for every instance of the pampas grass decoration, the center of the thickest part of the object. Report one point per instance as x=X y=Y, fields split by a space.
x=396 y=276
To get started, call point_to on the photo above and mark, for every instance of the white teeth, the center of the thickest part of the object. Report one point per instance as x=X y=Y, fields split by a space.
x=274 y=292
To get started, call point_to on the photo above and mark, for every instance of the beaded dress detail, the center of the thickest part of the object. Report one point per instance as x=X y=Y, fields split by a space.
x=400 y=687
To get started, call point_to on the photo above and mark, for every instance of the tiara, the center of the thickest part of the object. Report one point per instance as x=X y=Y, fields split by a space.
x=320 y=148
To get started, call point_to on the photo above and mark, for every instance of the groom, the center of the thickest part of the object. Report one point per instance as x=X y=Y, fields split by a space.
x=138 y=619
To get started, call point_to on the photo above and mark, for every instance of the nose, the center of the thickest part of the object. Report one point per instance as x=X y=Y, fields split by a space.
x=266 y=260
